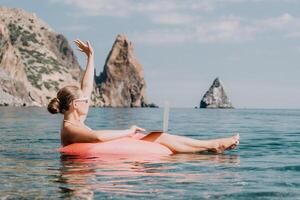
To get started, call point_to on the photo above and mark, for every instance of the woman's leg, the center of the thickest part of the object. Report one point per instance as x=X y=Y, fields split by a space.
x=181 y=144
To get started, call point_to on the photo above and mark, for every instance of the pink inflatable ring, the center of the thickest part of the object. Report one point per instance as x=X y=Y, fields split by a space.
x=123 y=146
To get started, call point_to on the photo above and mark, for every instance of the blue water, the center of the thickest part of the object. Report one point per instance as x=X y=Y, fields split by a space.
x=265 y=166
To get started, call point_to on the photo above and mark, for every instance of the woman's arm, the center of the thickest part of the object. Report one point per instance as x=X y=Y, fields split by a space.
x=82 y=135
x=88 y=77
x=106 y=135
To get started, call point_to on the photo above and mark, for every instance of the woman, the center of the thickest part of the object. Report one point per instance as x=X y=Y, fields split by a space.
x=73 y=103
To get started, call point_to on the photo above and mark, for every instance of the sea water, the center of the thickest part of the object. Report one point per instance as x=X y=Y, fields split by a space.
x=266 y=164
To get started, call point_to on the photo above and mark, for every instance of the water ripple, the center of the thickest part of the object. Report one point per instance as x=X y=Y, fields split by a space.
x=265 y=166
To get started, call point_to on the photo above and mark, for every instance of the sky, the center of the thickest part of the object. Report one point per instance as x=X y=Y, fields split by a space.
x=253 y=46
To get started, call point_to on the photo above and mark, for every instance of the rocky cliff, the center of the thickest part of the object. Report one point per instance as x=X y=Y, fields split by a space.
x=216 y=97
x=122 y=83
x=34 y=60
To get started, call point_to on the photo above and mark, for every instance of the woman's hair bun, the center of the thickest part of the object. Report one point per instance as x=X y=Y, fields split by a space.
x=54 y=106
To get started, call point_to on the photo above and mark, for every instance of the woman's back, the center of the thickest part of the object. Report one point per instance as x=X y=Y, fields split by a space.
x=66 y=134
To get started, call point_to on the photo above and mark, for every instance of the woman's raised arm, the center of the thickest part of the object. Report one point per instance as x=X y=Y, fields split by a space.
x=88 y=77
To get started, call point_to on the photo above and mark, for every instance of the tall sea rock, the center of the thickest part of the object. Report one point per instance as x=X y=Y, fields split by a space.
x=34 y=60
x=216 y=97
x=122 y=83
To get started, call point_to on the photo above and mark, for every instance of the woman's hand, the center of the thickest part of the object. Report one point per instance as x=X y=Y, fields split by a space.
x=135 y=129
x=84 y=47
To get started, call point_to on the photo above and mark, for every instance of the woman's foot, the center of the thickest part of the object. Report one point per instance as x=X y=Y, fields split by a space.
x=226 y=144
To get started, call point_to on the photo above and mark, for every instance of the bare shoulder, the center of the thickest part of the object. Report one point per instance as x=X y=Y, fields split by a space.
x=72 y=130
x=77 y=134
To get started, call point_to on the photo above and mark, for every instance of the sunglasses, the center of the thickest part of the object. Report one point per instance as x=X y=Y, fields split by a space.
x=85 y=100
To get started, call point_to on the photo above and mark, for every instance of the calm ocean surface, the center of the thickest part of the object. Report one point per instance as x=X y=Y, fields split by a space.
x=265 y=166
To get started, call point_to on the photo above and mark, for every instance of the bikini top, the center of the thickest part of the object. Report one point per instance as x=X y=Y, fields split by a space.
x=76 y=124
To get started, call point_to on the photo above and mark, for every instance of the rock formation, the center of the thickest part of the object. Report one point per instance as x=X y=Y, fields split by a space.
x=34 y=60
x=122 y=83
x=215 y=97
